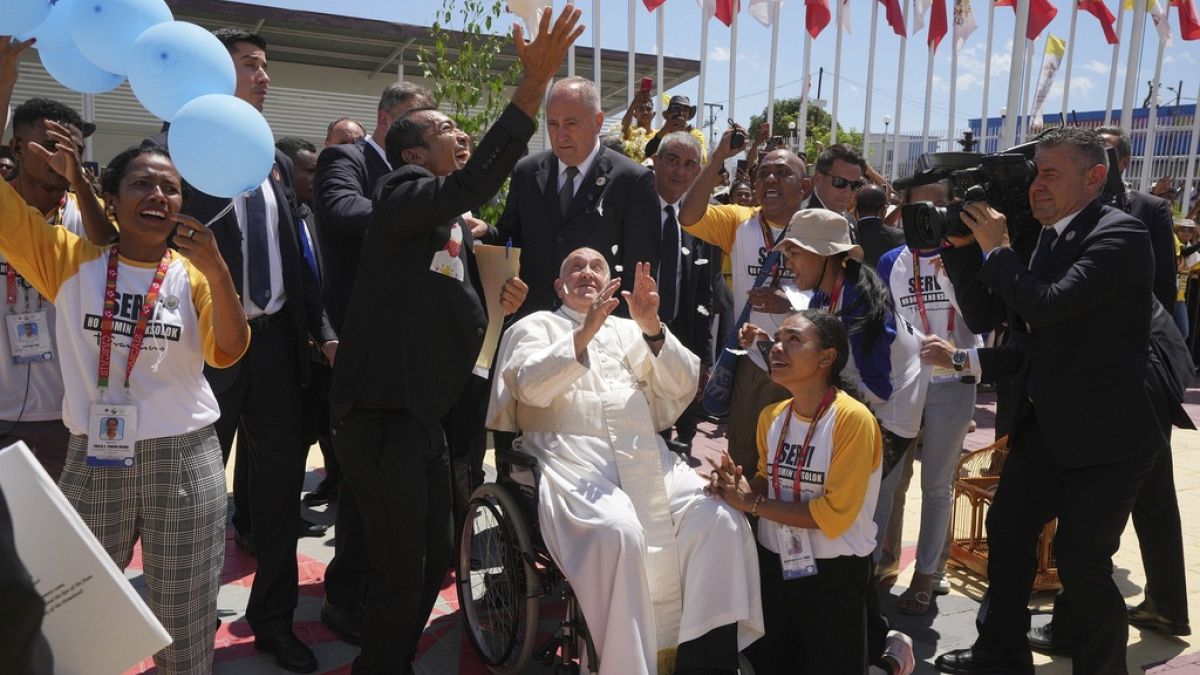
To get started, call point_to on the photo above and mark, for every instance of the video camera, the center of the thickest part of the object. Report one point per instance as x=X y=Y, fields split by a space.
x=1002 y=180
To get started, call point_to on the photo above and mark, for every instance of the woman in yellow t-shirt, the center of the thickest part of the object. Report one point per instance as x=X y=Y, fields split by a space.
x=814 y=494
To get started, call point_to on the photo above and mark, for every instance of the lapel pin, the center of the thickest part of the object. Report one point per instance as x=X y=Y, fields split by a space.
x=601 y=180
x=1070 y=235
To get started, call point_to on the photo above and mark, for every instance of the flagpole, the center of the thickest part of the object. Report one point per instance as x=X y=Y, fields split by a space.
x=629 y=71
x=774 y=8
x=596 y=44
x=1152 y=127
x=908 y=6
x=733 y=63
x=1133 y=63
x=1112 y=69
x=802 y=123
x=658 y=75
x=705 y=17
x=1027 y=102
x=1070 y=57
x=1016 y=71
x=570 y=61
x=1193 y=155
x=837 y=73
x=928 y=97
x=871 y=82
x=987 y=77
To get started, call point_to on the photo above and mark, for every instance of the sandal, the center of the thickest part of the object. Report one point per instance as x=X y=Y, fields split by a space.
x=899 y=649
x=913 y=602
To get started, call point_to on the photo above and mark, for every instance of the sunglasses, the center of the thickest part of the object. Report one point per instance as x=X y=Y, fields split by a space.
x=840 y=183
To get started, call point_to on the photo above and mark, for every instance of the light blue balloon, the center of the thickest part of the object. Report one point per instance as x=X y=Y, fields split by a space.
x=20 y=16
x=55 y=32
x=105 y=30
x=175 y=62
x=221 y=145
x=75 y=72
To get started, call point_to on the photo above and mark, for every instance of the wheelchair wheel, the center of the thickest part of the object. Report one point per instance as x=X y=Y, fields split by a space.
x=498 y=585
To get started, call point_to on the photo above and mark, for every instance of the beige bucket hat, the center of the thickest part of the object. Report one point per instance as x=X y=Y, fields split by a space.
x=820 y=231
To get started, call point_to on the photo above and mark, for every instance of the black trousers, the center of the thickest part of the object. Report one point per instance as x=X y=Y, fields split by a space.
x=317 y=417
x=398 y=468
x=814 y=625
x=264 y=402
x=466 y=439
x=1092 y=505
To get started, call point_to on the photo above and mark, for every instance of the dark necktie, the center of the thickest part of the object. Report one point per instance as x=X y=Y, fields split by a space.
x=258 y=260
x=668 y=271
x=1041 y=257
x=568 y=190
x=306 y=247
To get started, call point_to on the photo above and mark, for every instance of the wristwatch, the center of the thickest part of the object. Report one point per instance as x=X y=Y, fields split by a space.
x=959 y=359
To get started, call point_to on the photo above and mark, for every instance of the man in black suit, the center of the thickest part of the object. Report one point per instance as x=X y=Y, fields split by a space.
x=260 y=396
x=687 y=270
x=608 y=203
x=1080 y=313
x=875 y=236
x=413 y=330
x=839 y=174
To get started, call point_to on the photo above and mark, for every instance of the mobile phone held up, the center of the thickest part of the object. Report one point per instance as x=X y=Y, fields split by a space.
x=647 y=84
x=737 y=140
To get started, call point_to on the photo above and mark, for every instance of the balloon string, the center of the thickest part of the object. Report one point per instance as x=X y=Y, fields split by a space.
x=220 y=214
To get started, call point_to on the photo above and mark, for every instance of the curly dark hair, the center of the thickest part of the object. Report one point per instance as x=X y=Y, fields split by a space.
x=110 y=180
x=36 y=109
x=832 y=335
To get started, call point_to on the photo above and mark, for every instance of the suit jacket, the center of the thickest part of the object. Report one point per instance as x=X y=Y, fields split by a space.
x=342 y=188
x=1081 y=339
x=411 y=334
x=1155 y=212
x=615 y=211
x=693 y=325
x=876 y=238
x=305 y=309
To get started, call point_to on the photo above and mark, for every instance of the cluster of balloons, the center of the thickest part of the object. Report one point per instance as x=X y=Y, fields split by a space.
x=180 y=72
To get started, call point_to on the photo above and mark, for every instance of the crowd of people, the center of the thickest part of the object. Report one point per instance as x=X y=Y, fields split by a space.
x=340 y=303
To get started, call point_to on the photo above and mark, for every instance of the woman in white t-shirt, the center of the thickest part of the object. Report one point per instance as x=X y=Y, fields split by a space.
x=137 y=321
x=814 y=494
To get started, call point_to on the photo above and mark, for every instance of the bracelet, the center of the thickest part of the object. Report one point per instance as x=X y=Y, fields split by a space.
x=656 y=338
x=757 y=502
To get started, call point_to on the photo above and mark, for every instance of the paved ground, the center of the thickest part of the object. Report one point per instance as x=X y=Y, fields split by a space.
x=949 y=624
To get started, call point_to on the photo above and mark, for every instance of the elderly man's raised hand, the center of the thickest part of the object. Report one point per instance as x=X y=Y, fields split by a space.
x=543 y=56
x=643 y=301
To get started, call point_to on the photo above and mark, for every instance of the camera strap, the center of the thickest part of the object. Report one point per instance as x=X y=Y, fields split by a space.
x=777 y=268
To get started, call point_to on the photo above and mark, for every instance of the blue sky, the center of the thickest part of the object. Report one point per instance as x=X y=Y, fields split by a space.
x=1089 y=79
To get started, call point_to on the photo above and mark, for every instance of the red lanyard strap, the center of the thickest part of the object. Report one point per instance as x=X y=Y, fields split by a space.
x=825 y=404
x=920 y=296
x=769 y=243
x=110 y=310
x=835 y=298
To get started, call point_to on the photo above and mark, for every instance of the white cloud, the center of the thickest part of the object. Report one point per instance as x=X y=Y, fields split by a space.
x=967 y=81
x=1096 y=67
x=1178 y=57
x=719 y=54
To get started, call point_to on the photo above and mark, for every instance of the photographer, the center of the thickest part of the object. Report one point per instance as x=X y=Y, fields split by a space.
x=1090 y=276
x=678 y=115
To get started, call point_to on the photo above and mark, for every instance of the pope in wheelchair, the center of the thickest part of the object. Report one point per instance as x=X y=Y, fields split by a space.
x=657 y=566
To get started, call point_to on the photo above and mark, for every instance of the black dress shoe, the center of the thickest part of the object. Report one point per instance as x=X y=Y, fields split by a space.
x=979 y=663
x=310 y=529
x=326 y=492
x=1144 y=617
x=245 y=542
x=290 y=653
x=1042 y=639
x=345 y=623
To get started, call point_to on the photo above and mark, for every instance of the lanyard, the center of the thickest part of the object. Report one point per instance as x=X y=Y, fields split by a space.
x=835 y=298
x=110 y=309
x=921 y=302
x=777 y=268
x=55 y=218
x=825 y=404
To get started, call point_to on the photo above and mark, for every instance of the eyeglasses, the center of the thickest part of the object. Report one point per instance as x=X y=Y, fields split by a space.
x=840 y=183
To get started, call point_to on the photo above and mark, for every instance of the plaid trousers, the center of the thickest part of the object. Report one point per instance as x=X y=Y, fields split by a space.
x=173 y=499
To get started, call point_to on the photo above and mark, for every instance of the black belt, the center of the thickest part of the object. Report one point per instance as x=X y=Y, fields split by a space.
x=267 y=320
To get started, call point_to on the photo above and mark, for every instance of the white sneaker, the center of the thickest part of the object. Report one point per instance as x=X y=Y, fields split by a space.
x=899 y=648
x=941 y=586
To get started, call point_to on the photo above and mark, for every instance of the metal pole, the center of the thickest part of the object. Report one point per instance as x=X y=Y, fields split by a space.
x=1152 y=126
x=1070 y=58
x=1133 y=63
x=837 y=73
x=987 y=78
x=871 y=82
x=1193 y=155
x=733 y=66
x=1008 y=133
x=774 y=9
x=629 y=71
x=900 y=92
x=1112 y=68
x=802 y=123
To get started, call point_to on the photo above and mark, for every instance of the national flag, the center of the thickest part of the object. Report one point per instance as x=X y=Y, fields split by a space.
x=652 y=5
x=816 y=16
x=964 y=22
x=1041 y=13
x=722 y=9
x=762 y=10
x=937 y=24
x=1160 y=23
x=1055 y=49
x=845 y=23
x=1189 y=20
x=1098 y=9
x=895 y=16
x=920 y=8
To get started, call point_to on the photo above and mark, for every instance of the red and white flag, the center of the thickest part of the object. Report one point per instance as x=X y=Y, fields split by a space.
x=722 y=9
x=1098 y=9
x=895 y=16
x=1189 y=20
x=1041 y=13
x=816 y=16
x=652 y=5
x=937 y=24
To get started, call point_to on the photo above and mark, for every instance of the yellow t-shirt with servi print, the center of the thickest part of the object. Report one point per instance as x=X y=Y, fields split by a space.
x=167 y=383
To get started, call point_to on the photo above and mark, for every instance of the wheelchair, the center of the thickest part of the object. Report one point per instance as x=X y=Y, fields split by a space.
x=503 y=571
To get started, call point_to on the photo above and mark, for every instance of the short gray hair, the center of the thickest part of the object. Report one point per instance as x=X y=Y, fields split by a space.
x=586 y=89
x=680 y=138
x=1089 y=148
x=404 y=92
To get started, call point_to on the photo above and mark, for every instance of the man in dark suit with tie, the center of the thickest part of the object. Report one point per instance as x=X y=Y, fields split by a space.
x=345 y=180
x=686 y=273
x=260 y=396
x=1086 y=426
x=413 y=330
x=875 y=236
x=578 y=194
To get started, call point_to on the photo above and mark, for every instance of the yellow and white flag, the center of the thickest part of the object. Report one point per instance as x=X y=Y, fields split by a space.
x=1159 y=17
x=1055 y=49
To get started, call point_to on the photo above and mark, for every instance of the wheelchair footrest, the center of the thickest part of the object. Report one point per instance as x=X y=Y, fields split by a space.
x=547 y=653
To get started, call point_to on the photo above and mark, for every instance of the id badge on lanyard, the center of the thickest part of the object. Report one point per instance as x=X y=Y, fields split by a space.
x=795 y=543
x=112 y=428
x=795 y=552
x=939 y=373
x=28 y=331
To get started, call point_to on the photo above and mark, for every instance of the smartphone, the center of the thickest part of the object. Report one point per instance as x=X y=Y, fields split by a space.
x=774 y=143
x=738 y=139
x=94 y=167
x=171 y=237
x=741 y=166
x=647 y=84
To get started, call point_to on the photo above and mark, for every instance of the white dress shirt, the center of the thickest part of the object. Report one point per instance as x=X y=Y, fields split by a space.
x=583 y=167
x=277 y=293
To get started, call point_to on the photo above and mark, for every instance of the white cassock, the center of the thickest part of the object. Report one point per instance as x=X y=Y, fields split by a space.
x=653 y=560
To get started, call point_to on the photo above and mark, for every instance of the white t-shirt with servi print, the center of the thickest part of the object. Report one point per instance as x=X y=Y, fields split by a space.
x=167 y=384
x=33 y=391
